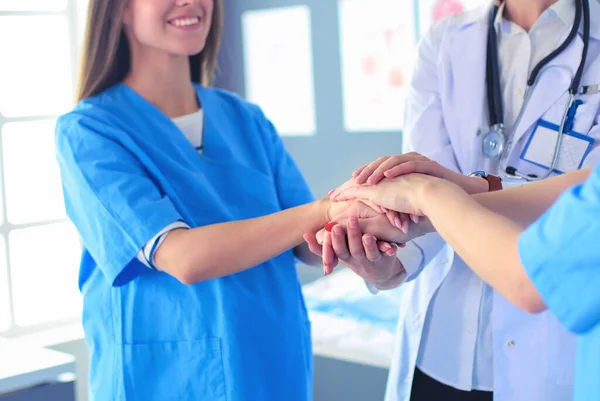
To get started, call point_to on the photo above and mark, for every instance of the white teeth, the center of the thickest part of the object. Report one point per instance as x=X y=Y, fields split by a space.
x=185 y=21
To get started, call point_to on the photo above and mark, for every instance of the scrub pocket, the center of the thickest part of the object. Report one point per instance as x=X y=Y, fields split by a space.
x=178 y=371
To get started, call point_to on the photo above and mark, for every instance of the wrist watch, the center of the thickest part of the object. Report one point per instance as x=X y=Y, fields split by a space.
x=494 y=181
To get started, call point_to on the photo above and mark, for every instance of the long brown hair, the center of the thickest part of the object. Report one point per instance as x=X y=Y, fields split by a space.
x=105 y=57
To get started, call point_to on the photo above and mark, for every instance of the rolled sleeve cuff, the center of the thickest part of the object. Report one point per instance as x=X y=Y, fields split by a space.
x=411 y=258
x=146 y=254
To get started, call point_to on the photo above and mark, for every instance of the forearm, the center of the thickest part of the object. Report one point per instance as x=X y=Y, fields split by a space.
x=219 y=250
x=526 y=203
x=485 y=240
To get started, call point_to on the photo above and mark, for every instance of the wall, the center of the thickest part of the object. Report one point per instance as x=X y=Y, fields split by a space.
x=328 y=158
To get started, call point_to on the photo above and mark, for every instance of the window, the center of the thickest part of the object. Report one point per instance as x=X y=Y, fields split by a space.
x=32 y=5
x=39 y=247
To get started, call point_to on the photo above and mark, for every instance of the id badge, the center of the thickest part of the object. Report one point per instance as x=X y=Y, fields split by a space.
x=542 y=143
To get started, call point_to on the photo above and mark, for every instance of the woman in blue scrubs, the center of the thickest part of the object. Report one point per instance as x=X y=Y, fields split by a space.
x=190 y=212
x=536 y=246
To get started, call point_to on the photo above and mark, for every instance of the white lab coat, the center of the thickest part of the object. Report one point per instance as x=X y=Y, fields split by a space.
x=446 y=120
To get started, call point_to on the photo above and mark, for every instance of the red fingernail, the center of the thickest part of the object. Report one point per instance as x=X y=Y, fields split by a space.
x=329 y=226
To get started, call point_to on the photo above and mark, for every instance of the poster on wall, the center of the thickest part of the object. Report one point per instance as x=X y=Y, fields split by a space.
x=433 y=11
x=278 y=67
x=377 y=43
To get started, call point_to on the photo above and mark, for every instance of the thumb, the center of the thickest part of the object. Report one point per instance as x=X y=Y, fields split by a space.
x=319 y=237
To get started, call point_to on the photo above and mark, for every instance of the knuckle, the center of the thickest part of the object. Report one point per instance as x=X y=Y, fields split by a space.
x=375 y=257
x=356 y=254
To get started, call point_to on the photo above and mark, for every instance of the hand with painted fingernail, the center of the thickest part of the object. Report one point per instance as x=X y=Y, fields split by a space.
x=350 y=226
x=373 y=260
x=330 y=259
x=373 y=219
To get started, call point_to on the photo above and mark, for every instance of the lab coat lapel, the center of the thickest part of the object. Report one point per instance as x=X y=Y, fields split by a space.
x=552 y=85
x=554 y=80
x=467 y=95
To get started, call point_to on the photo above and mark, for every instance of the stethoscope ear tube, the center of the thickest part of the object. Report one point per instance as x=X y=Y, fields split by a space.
x=585 y=5
x=495 y=109
x=493 y=79
x=580 y=6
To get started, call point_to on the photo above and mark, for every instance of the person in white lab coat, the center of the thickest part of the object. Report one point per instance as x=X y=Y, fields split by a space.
x=457 y=338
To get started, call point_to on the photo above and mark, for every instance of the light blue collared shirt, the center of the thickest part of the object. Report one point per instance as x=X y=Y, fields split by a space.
x=561 y=254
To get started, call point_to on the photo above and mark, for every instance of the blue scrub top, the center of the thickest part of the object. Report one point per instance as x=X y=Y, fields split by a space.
x=127 y=173
x=561 y=254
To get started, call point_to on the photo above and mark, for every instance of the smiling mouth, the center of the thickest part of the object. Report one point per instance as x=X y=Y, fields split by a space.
x=185 y=21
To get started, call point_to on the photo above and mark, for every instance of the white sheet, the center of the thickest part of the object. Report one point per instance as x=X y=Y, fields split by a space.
x=348 y=322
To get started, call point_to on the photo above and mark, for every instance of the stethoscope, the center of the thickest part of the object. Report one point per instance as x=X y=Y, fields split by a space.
x=495 y=142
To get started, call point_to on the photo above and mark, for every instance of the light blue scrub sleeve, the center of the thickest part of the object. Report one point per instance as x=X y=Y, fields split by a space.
x=109 y=197
x=561 y=254
x=292 y=188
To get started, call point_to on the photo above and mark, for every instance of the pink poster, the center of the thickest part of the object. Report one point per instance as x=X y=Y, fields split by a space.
x=443 y=8
x=377 y=39
x=433 y=11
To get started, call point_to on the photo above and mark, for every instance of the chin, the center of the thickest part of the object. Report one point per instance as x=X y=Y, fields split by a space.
x=194 y=52
x=189 y=50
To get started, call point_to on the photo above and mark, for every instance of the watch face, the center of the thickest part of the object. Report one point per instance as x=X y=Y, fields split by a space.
x=478 y=174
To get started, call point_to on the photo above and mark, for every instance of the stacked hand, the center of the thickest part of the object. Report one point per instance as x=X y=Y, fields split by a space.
x=385 y=200
x=372 y=256
x=408 y=163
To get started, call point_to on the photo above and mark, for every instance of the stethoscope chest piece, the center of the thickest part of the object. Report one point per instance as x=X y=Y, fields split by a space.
x=494 y=141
